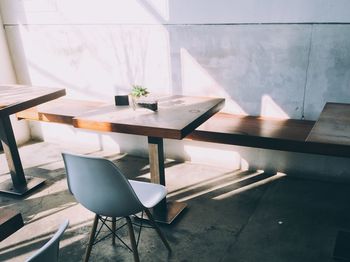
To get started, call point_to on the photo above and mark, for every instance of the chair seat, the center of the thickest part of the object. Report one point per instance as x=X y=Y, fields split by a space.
x=149 y=194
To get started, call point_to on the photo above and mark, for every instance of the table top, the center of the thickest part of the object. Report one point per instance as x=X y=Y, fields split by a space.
x=15 y=98
x=333 y=125
x=177 y=116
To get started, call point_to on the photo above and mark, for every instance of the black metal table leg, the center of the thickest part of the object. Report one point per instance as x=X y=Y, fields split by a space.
x=18 y=184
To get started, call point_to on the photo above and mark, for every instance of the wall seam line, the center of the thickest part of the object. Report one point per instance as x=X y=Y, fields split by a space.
x=307 y=72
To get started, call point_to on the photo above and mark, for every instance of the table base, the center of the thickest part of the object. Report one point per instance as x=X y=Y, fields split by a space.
x=166 y=216
x=32 y=183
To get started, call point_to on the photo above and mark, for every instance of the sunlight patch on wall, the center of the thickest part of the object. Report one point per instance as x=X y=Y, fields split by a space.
x=244 y=164
x=269 y=108
x=39 y=6
x=109 y=143
x=162 y=8
x=84 y=12
x=92 y=62
x=58 y=133
x=197 y=81
x=220 y=157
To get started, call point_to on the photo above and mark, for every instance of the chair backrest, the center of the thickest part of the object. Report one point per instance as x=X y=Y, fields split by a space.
x=49 y=252
x=100 y=186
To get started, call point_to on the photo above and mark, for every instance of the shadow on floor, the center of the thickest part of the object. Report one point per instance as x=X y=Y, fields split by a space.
x=231 y=216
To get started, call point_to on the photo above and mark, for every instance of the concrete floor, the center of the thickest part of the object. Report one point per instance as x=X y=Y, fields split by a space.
x=231 y=215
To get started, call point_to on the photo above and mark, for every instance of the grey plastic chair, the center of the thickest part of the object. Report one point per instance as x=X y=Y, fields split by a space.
x=100 y=186
x=50 y=251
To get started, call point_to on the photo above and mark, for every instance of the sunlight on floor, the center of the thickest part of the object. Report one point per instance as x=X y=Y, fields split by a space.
x=250 y=186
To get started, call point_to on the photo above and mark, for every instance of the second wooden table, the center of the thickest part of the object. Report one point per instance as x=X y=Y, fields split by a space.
x=15 y=98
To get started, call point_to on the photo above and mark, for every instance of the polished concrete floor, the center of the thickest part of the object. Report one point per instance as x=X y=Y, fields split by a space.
x=231 y=215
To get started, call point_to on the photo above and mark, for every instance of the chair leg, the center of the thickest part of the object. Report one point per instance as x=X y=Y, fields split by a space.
x=132 y=239
x=160 y=233
x=91 y=239
x=113 y=229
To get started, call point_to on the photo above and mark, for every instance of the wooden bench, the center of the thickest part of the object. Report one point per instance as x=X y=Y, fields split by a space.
x=250 y=131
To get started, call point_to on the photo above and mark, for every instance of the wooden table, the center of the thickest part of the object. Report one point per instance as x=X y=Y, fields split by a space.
x=177 y=116
x=15 y=98
x=333 y=127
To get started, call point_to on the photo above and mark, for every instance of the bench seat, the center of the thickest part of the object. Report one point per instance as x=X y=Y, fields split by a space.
x=250 y=131
x=254 y=131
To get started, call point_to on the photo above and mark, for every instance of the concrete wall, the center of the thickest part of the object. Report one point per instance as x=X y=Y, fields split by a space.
x=174 y=11
x=7 y=76
x=273 y=58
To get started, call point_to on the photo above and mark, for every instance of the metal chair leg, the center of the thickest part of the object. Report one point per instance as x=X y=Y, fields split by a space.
x=91 y=239
x=132 y=239
x=160 y=233
x=113 y=229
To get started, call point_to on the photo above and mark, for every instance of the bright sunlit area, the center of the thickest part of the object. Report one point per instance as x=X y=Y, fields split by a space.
x=173 y=130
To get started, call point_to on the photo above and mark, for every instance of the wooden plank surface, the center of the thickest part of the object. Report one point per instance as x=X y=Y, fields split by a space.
x=254 y=131
x=14 y=98
x=287 y=129
x=333 y=125
x=176 y=117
